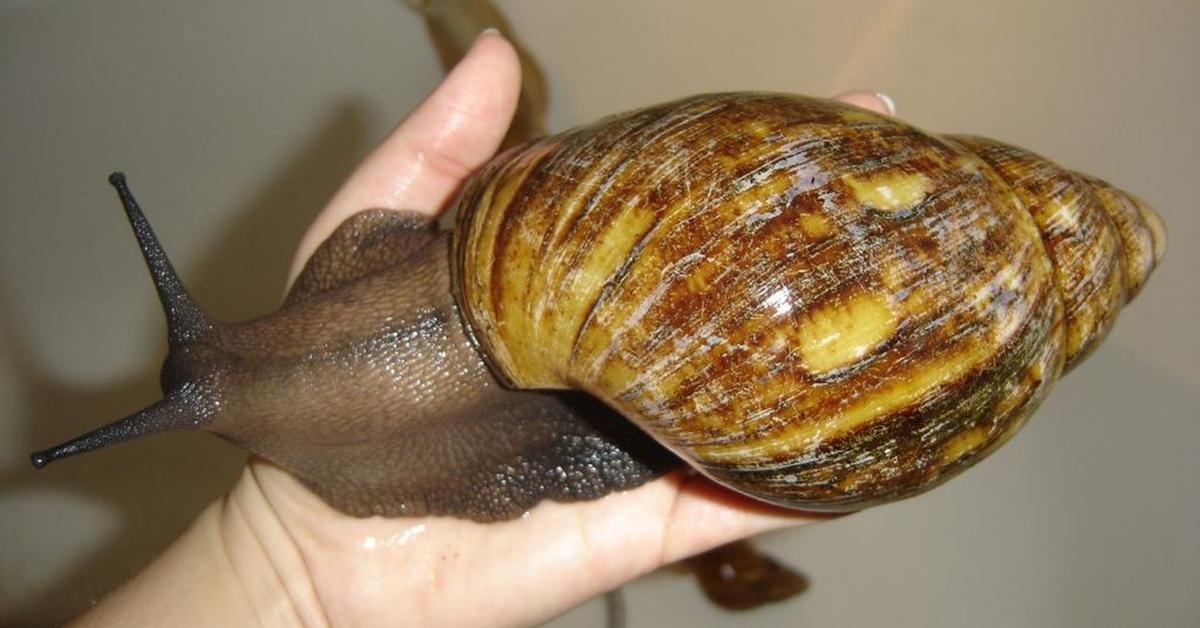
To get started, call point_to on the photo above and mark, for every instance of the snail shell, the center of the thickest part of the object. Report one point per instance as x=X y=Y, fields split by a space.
x=818 y=306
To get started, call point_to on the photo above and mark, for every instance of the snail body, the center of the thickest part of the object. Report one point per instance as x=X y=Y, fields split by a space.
x=817 y=306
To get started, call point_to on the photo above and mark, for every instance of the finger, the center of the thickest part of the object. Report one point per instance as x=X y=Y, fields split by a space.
x=706 y=515
x=875 y=101
x=451 y=133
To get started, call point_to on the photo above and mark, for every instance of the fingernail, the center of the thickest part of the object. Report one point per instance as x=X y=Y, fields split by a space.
x=887 y=102
x=491 y=30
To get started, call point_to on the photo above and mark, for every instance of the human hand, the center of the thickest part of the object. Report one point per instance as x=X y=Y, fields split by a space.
x=289 y=558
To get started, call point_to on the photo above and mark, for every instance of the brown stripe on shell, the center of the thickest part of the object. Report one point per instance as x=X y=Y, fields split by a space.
x=817 y=305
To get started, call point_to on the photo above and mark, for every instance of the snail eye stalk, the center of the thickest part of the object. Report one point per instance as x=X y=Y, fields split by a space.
x=186 y=321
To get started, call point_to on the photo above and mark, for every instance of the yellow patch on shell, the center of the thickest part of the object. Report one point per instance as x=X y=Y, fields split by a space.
x=815 y=226
x=964 y=444
x=1154 y=223
x=969 y=164
x=854 y=115
x=920 y=382
x=841 y=333
x=890 y=191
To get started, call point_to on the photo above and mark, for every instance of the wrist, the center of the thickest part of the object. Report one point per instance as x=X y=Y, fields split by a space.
x=263 y=559
x=235 y=566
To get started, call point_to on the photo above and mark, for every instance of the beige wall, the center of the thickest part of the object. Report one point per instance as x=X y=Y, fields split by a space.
x=235 y=120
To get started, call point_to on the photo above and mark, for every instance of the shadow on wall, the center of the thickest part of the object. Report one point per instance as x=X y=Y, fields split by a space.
x=157 y=486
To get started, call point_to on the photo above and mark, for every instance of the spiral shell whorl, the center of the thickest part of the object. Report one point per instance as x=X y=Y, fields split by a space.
x=817 y=306
x=1104 y=242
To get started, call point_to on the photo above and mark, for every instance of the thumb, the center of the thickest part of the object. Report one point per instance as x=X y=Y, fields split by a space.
x=452 y=132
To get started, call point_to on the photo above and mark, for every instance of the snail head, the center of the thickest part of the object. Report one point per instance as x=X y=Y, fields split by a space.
x=189 y=379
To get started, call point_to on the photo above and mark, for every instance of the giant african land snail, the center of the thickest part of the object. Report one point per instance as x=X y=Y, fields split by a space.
x=817 y=306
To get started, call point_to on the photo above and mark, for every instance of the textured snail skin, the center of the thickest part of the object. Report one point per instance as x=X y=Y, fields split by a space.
x=365 y=386
x=815 y=305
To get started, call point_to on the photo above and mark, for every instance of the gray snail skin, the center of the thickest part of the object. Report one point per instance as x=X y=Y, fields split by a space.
x=817 y=306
